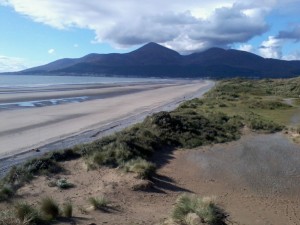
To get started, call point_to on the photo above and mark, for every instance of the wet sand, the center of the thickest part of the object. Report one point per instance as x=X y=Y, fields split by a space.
x=64 y=125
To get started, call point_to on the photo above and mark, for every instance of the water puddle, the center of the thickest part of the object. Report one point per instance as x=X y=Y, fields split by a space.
x=41 y=103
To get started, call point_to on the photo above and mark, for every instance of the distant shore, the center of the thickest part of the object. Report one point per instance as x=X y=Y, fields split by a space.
x=32 y=131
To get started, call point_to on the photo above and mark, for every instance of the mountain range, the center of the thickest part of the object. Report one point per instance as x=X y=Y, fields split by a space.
x=154 y=60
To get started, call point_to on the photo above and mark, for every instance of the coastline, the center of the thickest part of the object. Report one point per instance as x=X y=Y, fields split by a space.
x=145 y=100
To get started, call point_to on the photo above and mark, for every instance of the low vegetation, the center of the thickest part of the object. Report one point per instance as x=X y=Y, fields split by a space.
x=141 y=167
x=46 y=165
x=49 y=208
x=190 y=207
x=6 y=192
x=100 y=203
x=67 y=210
x=63 y=184
x=27 y=214
x=8 y=217
x=269 y=100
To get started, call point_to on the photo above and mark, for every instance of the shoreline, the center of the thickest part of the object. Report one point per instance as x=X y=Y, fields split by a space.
x=20 y=94
x=105 y=128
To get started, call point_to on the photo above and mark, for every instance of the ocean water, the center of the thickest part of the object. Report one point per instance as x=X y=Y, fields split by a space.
x=13 y=84
x=11 y=81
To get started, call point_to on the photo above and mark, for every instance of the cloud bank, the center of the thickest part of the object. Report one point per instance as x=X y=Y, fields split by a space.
x=10 y=64
x=272 y=48
x=182 y=25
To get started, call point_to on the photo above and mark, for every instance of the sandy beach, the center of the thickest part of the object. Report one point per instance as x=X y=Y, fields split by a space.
x=109 y=109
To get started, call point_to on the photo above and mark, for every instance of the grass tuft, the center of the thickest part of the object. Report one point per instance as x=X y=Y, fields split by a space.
x=26 y=213
x=99 y=203
x=6 y=192
x=203 y=207
x=67 y=210
x=141 y=167
x=49 y=208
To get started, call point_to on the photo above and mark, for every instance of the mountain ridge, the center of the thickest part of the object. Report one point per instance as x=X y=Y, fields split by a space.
x=155 y=60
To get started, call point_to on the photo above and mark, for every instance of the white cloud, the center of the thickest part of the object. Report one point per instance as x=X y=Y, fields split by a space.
x=173 y=23
x=76 y=45
x=246 y=47
x=11 y=64
x=51 y=51
x=271 y=48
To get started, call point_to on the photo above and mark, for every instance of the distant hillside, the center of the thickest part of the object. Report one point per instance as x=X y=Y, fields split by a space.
x=156 y=60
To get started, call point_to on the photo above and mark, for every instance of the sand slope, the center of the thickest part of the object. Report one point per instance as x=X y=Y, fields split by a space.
x=255 y=179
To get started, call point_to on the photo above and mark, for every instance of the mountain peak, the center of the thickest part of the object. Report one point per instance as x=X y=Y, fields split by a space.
x=154 y=48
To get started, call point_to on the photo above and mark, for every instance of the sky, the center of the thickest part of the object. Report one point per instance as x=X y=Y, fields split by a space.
x=36 y=32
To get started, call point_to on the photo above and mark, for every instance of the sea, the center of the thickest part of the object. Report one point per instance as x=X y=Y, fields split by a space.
x=14 y=81
x=18 y=84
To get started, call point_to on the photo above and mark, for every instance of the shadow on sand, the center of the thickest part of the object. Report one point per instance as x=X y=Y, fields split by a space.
x=164 y=183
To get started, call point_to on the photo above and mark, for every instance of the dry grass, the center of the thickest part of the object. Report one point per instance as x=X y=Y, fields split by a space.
x=49 y=208
x=205 y=208
x=8 y=217
x=67 y=210
x=99 y=203
x=26 y=213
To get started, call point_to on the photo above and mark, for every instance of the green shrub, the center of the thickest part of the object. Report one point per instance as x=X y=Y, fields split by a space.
x=49 y=208
x=64 y=184
x=141 y=167
x=17 y=176
x=256 y=122
x=27 y=214
x=203 y=207
x=64 y=155
x=99 y=203
x=6 y=192
x=67 y=210
x=42 y=165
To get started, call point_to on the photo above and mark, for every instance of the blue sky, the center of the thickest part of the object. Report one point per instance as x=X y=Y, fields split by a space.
x=35 y=32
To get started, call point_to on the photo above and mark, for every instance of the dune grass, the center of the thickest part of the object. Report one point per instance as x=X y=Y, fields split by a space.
x=205 y=208
x=49 y=208
x=100 y=203
x=8 y=217
x=67 y=210
x=46 y=165
x=48 y=212
x=6 y=192
x=141 y=167
x=263 y=98
x=27 y=214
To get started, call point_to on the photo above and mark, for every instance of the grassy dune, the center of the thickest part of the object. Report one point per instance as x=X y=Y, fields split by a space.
x=273 y=100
